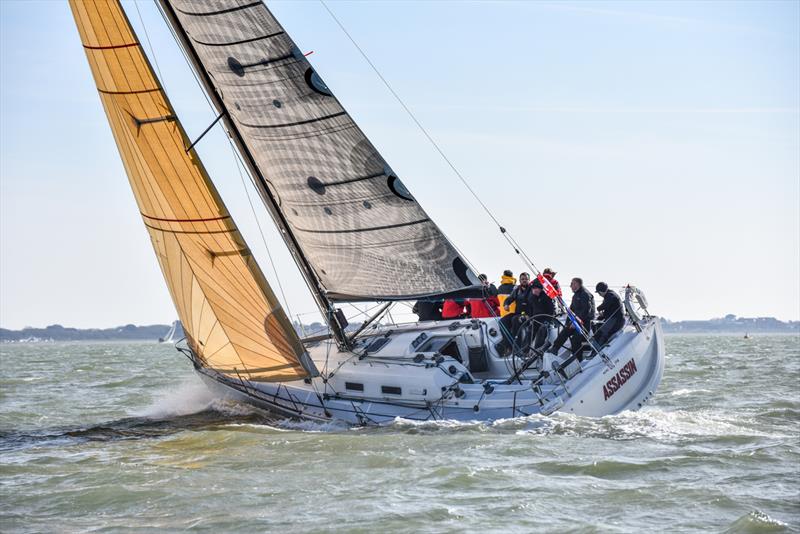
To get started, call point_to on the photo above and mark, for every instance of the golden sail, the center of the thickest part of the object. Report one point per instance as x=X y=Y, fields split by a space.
x=233 y=321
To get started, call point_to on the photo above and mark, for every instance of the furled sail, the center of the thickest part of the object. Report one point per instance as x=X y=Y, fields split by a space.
x=231 y=317
x=361 y=231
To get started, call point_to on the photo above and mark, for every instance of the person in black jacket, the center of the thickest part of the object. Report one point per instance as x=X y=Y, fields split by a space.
x=582 y=306
x=611 y=314
x=510 y=323
x=542 y=309
x=428 y=310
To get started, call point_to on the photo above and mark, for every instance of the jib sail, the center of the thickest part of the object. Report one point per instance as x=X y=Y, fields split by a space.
x=231 y=317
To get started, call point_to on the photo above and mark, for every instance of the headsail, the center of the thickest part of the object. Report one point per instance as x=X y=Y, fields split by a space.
x=361 y=232
x=232 y=319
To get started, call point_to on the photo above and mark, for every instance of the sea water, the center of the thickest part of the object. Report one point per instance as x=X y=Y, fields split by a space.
x=123 y=437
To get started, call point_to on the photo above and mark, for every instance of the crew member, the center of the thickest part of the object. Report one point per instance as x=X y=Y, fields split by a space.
x=520 y=299
x=428 y=310
x=488 y=305
x=543 y=310
x=507 y=283
x=610 y=313
x=582 y=306
x=550 y=275
x=453 y=309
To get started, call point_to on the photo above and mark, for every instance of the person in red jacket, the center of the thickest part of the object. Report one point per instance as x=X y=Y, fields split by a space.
x=453 y=309
x=550 y=274
x=489 y=305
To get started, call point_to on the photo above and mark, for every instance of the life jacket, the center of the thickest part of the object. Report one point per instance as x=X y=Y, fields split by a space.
x=505 y=288
x=452 y=309
x=487 y=307
x=554 y=283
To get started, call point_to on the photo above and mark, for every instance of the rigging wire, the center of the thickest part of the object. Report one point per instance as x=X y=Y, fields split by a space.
x=261 y=231
x=237 y=157
x=508 y=237
x=526 y=259
x=149 y=44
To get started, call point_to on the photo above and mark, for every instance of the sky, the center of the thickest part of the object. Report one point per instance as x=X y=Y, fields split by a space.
x=652 y=143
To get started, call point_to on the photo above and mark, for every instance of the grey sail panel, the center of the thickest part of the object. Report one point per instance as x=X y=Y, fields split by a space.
x=359 y=228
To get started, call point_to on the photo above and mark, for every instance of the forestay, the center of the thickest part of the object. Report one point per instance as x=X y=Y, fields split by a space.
x=232 y=319
x=362 y=232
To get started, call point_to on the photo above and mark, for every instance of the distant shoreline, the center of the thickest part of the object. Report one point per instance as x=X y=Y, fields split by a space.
x=60 y=333
x=4 y=341
x=730 y=324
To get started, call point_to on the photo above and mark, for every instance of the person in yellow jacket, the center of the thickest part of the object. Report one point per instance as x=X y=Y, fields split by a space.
x=507 y=283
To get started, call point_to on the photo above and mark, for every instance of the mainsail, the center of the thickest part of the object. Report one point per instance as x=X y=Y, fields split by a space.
x=232 y=319
x=353 y=225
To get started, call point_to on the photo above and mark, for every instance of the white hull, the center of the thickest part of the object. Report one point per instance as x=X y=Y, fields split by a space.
x=395 y=386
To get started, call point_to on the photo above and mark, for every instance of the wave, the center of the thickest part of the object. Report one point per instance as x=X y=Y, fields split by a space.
x=756 y=521
x=650 y=423
x=191 y=397
x=190 y=406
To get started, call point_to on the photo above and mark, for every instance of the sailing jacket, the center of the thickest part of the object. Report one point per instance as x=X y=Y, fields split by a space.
x=553 y=282
x=611 y=308
x=520 y=299
x=488 y=306
x=452 y=309
x=485 y=307
x=542 y=307
x=582 y=306
x=507 y=284
x=428 y=310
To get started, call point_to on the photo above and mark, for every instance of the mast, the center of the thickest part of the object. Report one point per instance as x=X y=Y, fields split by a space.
x=310 y=277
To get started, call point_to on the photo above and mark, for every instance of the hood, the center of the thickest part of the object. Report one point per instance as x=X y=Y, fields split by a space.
x=507 y=280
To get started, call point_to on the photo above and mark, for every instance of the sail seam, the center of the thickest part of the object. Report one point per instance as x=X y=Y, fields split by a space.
x=209 y=219
x=253 y=370
x=190 y=231
x=353 y=180
x=242 y=41
x=298 y=123
x=372 y=229
x=220 y=12
x=109 y=47
x=138 y=92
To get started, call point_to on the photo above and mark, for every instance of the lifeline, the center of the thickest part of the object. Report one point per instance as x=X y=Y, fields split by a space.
x=618 y=380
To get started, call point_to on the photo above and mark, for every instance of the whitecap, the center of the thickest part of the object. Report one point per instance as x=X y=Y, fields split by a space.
x=191 y=396
x=756 y=521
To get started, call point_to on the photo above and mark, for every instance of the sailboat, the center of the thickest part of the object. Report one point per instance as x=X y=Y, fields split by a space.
x=174 y=334
x=355 y=231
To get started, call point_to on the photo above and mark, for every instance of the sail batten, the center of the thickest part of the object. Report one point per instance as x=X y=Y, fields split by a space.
x=232 y=319
x=355 y=230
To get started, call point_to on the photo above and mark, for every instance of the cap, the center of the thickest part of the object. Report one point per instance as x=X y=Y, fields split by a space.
x=548 y=270
x=536 y=283
x=482 y=277
x=508 y=272
x=601 y=287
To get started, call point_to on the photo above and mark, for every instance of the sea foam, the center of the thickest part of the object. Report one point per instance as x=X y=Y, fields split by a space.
x=189 y=397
